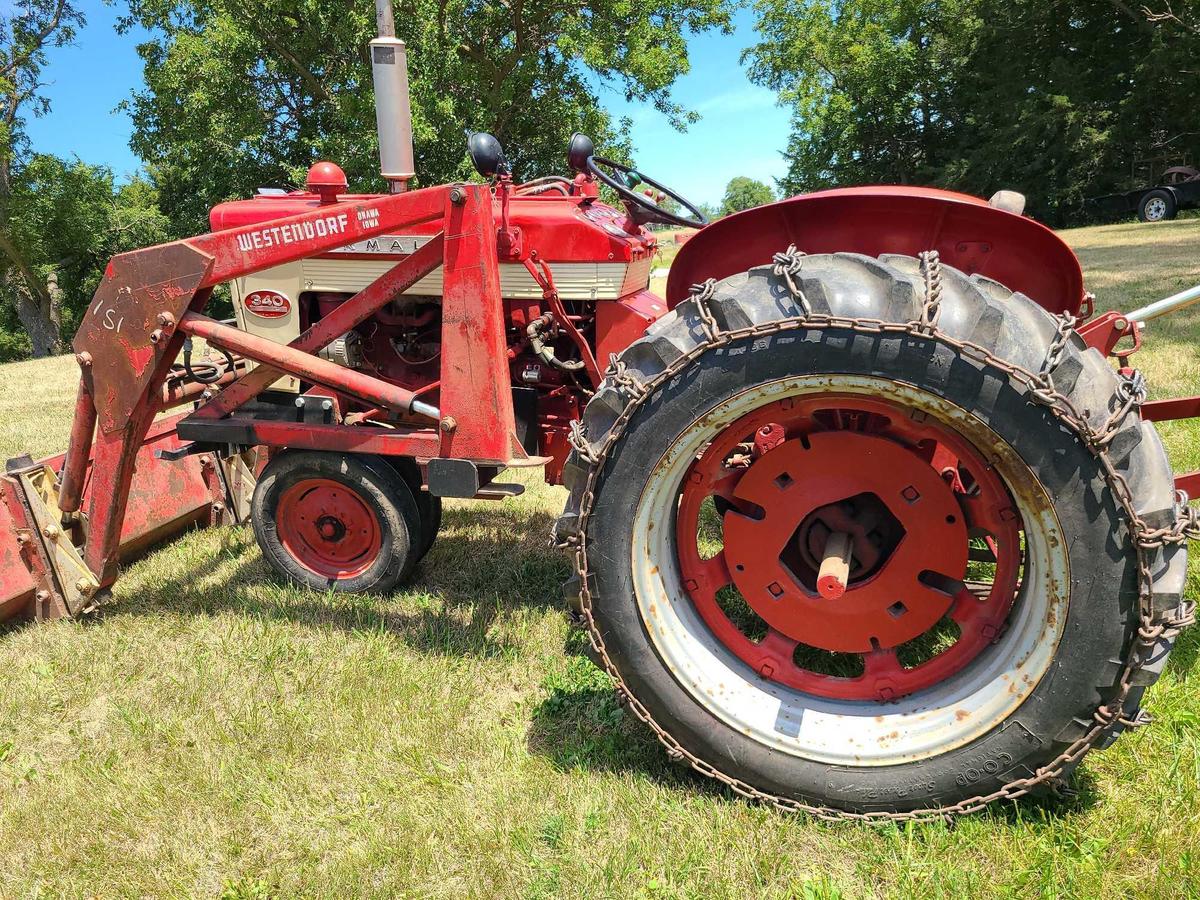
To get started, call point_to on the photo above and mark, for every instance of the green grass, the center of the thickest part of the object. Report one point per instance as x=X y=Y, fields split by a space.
x=217 y=734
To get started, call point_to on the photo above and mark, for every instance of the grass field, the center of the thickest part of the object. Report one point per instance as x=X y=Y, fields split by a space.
x=214 y=733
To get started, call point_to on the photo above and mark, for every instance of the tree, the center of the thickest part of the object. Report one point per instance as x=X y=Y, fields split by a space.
x=27 y=30
x=69 y=219
x=867 y=80
x=243 y=93
x=1060 y=101
x=1072 y=102
x=745 y=193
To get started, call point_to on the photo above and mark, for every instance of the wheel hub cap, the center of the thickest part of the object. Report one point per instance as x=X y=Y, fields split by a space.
x=328 y=528
x=920 y=506
x=803 y=484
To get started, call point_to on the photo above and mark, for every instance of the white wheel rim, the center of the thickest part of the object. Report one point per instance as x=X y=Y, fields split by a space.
x=1156 y=209
x=850 y=732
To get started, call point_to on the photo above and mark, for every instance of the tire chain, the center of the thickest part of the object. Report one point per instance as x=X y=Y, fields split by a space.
x=1131 y=393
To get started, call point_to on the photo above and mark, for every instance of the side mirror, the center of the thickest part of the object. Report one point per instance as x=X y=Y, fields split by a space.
x=486 y=154
x=579 y=151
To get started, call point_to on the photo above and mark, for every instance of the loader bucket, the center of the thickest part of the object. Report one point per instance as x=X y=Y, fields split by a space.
x=42 y=573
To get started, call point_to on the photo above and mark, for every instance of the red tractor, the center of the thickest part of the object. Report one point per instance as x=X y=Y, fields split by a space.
x=863 y=521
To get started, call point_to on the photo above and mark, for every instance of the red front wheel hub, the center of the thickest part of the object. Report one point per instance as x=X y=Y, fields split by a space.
x=328 y=528
x=930 y=534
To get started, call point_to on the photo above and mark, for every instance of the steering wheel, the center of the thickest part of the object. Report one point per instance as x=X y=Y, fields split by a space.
x=581 y=156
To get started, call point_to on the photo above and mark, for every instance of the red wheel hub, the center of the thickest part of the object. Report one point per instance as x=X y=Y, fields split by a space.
x=914 y=498
x=328 y=528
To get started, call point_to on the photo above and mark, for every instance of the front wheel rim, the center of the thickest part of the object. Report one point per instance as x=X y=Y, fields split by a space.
x=1156 y=209
x=948 y=702
x=328 y=528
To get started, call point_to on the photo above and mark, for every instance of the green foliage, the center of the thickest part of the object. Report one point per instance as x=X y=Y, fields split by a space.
x=1059 y=101
x=29 y=320
x=27 y=29
x=745 y=193
x=69 y=219
x=866 y=79
x=242 y=94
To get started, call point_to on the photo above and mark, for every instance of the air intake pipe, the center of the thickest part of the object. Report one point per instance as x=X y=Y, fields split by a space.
x=393 y=114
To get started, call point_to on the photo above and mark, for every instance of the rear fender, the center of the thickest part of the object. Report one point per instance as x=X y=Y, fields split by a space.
x=1020 y=253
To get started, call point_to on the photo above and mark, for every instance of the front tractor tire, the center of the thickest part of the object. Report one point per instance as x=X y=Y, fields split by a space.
x=339 y=522
x=992 y=590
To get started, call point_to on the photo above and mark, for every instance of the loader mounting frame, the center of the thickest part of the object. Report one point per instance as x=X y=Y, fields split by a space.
x=130 y=477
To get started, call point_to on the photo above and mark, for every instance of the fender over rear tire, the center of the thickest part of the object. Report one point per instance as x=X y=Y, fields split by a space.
x=820 y=738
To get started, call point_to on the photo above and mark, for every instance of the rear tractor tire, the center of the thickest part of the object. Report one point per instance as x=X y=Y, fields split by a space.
x=340 y=522
x=992 y=590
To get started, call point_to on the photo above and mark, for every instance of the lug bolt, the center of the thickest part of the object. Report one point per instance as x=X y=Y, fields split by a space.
x=1120 y=324
x=84 y=587
x=458 y=196
x=42 y=597
x=205 y=461
x=84 y=359
x=24 y=537
x=166 y=320
x=448 y=425
x=52 y=532
x=218 y=507
x=156 y=335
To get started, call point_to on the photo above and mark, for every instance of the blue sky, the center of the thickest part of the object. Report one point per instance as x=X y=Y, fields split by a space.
x=741 y=133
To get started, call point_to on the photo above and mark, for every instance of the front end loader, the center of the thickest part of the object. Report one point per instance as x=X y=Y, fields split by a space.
x=867 y=516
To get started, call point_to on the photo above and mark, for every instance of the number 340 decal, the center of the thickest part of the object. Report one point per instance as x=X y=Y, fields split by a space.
x=267 y=304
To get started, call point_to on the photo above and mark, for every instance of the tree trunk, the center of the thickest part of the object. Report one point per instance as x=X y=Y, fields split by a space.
x=39 y=323
x=37 y=307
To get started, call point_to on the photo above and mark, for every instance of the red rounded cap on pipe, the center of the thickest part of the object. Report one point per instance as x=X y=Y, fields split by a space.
x=834 y=573
x=327 y=180
x=830 y=587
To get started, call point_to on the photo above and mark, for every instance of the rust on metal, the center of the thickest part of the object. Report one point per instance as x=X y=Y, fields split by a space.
x=79 y=450
x=346 y=316
x=116 y=330
x=304 y=365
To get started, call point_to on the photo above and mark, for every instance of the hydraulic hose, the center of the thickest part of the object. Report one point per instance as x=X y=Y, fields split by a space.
x=545 y=353
x=206 y=373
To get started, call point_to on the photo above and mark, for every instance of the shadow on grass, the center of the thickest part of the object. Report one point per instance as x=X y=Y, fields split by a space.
x=581 y=725
x=448 y=607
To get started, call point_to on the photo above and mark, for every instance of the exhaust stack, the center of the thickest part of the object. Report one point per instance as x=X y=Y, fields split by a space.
x=393 y=114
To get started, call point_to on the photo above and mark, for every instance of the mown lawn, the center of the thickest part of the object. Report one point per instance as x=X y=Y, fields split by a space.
x=215 y=733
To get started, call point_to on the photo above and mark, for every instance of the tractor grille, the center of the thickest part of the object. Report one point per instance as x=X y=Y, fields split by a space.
x=574 y=280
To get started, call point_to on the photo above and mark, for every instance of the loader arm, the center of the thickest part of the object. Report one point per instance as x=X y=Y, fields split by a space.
x=149 y=302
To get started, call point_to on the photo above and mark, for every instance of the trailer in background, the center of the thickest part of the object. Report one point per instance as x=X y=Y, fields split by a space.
x=1177 y=189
